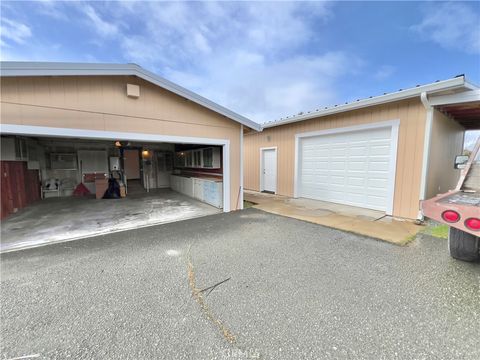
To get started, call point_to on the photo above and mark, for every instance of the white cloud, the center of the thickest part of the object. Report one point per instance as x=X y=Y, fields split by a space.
x=246 y=56
x=253 y=57
x=452 y=25
x=13 y=31
x=384 y=72
x=102 y=27
x=471 y=138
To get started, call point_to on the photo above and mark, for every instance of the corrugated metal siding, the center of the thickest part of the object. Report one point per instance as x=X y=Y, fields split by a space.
x=409 y=158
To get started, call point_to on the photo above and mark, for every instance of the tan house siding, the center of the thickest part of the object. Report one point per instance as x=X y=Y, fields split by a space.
x=411 y=114
x=446 y=141
x=100 y=103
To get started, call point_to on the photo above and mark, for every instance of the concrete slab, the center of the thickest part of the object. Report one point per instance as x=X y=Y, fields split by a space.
x=64 y=219
x=361 y=221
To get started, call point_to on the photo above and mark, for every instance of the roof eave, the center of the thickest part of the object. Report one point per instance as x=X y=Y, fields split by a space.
x=10 y=69
x=444 y=85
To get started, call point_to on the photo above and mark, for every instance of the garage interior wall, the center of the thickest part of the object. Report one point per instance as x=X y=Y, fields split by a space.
x=100 y=103
x=446 y=142
x=412 y=116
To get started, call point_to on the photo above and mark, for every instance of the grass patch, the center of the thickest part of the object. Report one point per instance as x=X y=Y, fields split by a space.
x=247 y=204
x=437 y=230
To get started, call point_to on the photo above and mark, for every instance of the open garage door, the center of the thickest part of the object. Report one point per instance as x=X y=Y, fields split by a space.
x=60 y=188
x=353 y=166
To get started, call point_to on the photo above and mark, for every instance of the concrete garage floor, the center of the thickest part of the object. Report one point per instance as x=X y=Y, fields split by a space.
x=63 y=219
x=297 y=290
x=362 y=221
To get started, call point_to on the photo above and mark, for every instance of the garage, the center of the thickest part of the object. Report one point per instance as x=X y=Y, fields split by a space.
x=91 y=149
x=352 y=166
x=314 y=153
x=58 y=189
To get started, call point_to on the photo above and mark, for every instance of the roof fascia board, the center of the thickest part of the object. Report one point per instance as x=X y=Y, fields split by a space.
x=10 y=69
x=458 y=98
x=471 y=86
x=382 y=99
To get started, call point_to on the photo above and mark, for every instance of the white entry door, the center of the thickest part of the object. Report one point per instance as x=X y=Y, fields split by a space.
x=268 y=170
x=353 y=168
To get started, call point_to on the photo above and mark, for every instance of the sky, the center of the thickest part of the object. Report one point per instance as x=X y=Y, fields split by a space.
x=264 y=60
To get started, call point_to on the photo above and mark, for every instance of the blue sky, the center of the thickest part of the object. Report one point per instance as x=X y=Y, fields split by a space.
x=263 y=60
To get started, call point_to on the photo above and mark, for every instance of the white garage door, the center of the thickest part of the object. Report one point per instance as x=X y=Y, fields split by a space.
x=350 y=168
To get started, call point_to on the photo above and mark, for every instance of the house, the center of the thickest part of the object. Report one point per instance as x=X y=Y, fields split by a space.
x=385 y=153
x=66 y=124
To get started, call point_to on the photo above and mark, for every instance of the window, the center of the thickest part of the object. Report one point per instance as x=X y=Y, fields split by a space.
x=180 y=159
x=63 y=161
x=208 y=157
x=197 y=158
x=188 y=159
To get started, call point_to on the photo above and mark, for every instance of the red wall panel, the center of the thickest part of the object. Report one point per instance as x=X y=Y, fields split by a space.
x=19 y=186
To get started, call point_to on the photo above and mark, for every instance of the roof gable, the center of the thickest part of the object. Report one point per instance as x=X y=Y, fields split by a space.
x=14 y=68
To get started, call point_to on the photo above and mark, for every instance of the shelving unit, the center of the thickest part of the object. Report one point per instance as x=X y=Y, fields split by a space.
x=204 y=158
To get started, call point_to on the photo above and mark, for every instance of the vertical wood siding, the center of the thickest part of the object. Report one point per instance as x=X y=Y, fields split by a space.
x=409 y=157
x=446 y=141
x=100 y=103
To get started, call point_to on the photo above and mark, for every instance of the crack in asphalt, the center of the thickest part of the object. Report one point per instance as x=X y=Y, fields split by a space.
x=199 y=298
x=227 y=334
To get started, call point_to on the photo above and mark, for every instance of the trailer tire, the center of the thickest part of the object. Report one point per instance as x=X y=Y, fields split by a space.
x=463 y=246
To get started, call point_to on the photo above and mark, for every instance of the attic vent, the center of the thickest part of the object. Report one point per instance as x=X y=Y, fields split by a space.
x=133 y=91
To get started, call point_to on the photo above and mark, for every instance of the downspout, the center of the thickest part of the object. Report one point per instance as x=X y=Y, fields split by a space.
x=241 y=169
x=426 y=149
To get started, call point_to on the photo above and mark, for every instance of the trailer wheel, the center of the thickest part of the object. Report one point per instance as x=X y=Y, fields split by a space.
x=463 y=246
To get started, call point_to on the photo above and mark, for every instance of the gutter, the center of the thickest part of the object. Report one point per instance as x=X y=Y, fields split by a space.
x=450 y=84
x=240 y=197
x=426 y=149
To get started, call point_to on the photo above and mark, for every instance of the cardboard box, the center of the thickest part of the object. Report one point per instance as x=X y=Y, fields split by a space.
x=101 y=185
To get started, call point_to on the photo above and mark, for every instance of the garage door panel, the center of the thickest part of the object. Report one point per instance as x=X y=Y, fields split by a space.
x=378 y=183
x=357 y=166
x=378 y=166
x=356 y=181
x=337 y=180
x=337 y=165
x=356 y=198
x=379 y=150
x=350 y=168
x=358 y=151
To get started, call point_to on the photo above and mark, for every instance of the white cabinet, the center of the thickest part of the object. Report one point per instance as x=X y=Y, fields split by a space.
x=209 y=191
x=198 y=189
x=197 y=158
x=182 y=185
x=211 y=158
x=212 y=192
x=93 y=161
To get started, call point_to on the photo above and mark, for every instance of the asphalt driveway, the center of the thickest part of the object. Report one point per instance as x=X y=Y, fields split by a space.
x=296 y=290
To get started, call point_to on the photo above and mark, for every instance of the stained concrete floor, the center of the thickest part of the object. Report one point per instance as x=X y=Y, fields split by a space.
x=63 y=219
x=361 y=221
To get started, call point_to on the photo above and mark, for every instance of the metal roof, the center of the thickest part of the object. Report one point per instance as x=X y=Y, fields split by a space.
x=463 y=107
x=14 y=68
x=457 y=83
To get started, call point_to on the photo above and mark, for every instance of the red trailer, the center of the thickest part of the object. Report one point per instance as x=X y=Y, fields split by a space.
x=460 y=209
